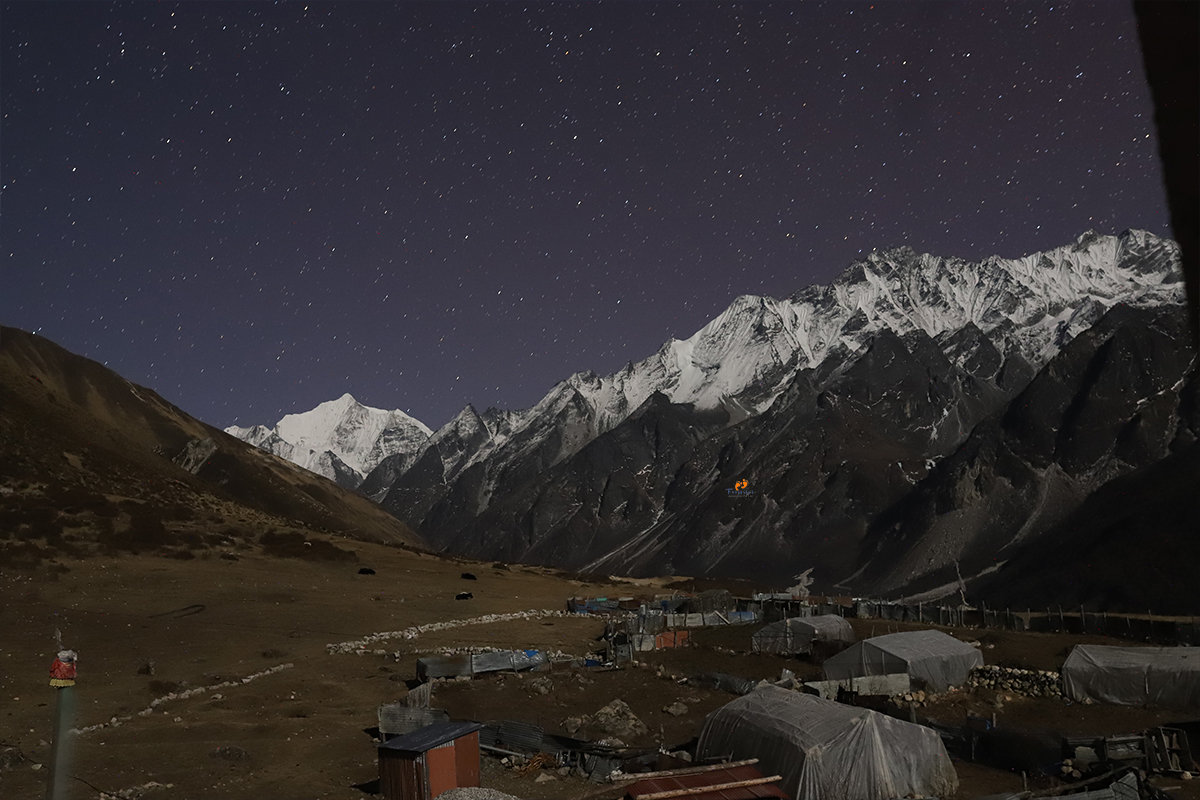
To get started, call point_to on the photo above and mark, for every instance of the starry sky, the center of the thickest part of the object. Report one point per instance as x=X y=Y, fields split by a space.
x=253 y=208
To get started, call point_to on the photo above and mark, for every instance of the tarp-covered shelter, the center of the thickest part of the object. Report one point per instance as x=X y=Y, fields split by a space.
x=828 y=751
x=941 y=661
x=1133 y=676
x=797 y=636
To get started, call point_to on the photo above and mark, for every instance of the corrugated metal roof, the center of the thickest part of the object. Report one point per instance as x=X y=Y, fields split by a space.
x=401 y=719
x=714 y=778
x=430 y=736
x=522 y=736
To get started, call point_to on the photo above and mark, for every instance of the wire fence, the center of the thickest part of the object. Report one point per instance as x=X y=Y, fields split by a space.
x=1139 y=627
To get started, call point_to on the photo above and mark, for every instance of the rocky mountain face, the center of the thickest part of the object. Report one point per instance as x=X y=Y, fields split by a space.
x=341 y=439
x=917 y=421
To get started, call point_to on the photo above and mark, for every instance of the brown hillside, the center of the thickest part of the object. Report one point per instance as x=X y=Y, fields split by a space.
x=89 y=458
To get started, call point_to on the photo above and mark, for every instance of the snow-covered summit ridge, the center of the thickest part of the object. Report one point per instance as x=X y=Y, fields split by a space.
x=357 y=435
x=741 y=360
x=1020 y=304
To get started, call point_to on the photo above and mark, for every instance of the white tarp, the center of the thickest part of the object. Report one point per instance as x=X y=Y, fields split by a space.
x=828 y=751
x=797 y=635
x=1133 y=676
x=932 y=656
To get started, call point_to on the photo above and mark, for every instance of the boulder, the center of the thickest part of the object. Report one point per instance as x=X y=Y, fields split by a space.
x=617 y=719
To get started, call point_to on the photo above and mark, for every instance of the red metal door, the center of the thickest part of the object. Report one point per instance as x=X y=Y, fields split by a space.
x=442 y=769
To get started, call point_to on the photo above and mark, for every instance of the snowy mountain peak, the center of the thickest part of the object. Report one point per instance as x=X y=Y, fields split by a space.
x=357 y=437
x=741 y=360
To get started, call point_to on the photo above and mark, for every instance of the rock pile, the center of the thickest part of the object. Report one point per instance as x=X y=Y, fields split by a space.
x=115 y=722
x=1027 y=682
x=359 y=646
x=618 y=719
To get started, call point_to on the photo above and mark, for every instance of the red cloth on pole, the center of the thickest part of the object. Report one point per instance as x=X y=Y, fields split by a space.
x=62 y=673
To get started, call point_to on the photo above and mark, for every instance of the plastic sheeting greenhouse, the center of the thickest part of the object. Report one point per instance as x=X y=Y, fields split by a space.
x=797 y=635
x=828 y=751
x=941 y=661
x=1133 y=676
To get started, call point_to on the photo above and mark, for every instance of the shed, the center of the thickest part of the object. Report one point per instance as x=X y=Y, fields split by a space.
x=733 y=782
x=941 y=661
x=1133 y=676
x=709 y=602
x=829 y=751
x=798 y=635
x=423 y=764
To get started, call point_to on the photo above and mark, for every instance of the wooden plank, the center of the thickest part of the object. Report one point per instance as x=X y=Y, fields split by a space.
x=672 y=773
x=718 y=787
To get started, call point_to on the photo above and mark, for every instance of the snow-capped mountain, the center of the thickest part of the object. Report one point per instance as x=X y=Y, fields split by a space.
x=341 y=439
x=1027 y=307
x=835 y=403
x=961 y=391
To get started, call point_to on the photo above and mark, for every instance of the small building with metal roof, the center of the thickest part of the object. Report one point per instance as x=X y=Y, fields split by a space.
x=431 y=760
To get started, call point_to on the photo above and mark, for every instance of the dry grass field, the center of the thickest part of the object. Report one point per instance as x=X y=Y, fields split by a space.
x=303 y=730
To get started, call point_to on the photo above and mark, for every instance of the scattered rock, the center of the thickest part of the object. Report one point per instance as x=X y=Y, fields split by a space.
x=541 y=685
x=146 y=668
x=676 y=709
x=11 y=758
x=230 y=752
x=466 y=576
x=475 y=793
x=463 y=596
x=572 y=724
x=544 y=777
x=366 y=571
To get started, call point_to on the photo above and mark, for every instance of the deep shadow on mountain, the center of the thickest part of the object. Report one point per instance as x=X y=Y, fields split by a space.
x=890 y=471
x=1133 y=544
x=1120 y=399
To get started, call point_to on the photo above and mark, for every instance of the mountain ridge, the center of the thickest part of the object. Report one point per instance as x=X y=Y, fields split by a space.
x=1032 y=306
x=851 y=411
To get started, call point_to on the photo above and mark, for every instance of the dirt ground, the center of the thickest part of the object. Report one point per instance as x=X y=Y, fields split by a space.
x=304 y=730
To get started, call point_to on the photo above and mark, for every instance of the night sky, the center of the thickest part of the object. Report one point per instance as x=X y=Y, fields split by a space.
x=253 y=208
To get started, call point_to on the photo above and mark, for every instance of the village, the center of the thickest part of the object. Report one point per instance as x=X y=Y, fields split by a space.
x=855 y=700
x=349 y=681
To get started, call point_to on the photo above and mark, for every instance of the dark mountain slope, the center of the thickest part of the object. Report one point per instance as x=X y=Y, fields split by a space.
x=81 y=445
x=1118 y=398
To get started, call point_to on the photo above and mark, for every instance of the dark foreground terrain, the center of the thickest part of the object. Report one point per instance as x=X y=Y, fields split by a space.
x=148 y=627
